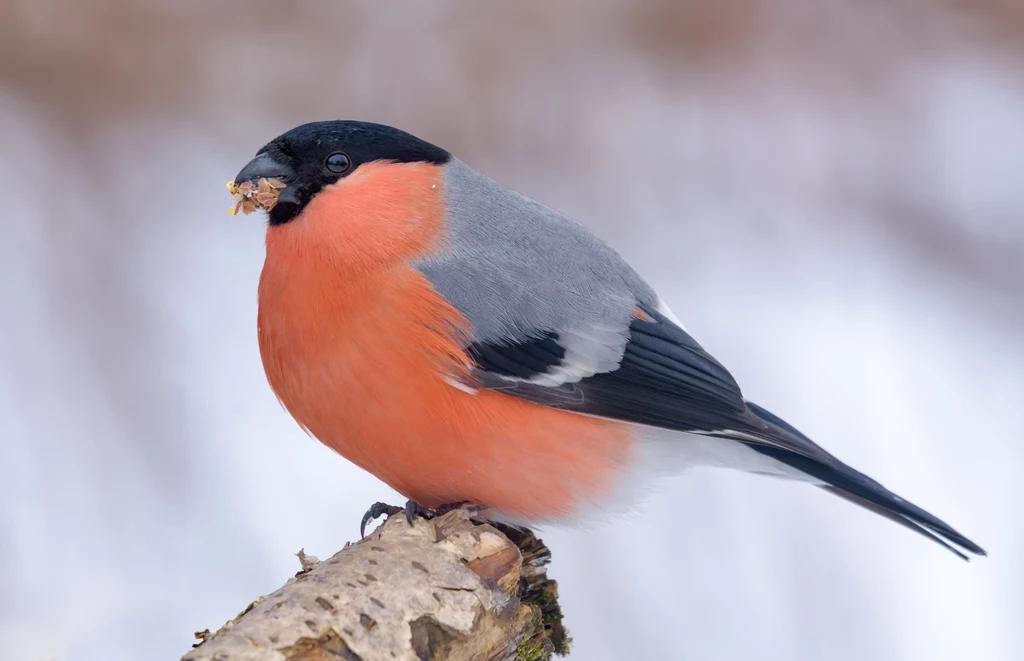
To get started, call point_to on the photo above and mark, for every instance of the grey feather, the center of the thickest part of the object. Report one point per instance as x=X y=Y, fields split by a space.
x=515 y=267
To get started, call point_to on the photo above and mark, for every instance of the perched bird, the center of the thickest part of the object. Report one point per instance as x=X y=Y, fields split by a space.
x=468 y=345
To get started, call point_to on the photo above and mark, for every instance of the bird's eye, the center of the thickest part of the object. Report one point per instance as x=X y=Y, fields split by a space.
x=337 y=162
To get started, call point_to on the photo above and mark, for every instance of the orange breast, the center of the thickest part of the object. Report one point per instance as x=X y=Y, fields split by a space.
x=362 y=352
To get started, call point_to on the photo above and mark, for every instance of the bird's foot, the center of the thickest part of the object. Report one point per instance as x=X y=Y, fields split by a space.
x=411 y=509
x=376 y=510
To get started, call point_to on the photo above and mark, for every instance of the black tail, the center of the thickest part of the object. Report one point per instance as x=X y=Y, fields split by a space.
x=858 y=488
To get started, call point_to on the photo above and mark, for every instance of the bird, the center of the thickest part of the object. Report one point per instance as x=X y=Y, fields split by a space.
x=470 y=346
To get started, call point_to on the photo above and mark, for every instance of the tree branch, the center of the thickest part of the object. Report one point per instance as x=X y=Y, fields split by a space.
x=448 y=588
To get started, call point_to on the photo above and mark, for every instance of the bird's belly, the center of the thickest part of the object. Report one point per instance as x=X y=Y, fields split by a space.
x=377 y=388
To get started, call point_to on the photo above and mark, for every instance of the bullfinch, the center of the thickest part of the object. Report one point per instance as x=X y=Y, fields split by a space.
x=470 y=346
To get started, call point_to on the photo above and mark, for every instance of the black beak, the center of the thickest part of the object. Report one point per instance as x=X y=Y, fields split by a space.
x=264 y=166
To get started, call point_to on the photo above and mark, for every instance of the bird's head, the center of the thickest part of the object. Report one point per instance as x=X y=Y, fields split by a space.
x=313 y=156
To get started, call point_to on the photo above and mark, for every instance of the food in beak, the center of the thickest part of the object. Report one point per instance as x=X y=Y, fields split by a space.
x=251 y=196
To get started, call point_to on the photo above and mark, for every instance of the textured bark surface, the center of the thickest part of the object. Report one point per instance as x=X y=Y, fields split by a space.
x=442 y=589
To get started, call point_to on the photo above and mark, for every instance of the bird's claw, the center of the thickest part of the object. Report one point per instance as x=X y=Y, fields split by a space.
x=412 y=508
x=376 y=510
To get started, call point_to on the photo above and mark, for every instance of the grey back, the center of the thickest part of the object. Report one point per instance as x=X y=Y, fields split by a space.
x=516 y=268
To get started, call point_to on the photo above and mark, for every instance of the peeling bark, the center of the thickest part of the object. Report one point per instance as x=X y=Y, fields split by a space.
x=448 y=588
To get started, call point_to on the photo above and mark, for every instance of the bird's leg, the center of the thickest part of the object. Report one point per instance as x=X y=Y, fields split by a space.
x=376 y=510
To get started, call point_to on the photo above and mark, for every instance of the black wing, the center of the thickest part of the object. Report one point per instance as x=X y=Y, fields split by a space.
x=666 y=379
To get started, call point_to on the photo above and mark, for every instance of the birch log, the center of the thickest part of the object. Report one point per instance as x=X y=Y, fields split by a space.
x=448 y=588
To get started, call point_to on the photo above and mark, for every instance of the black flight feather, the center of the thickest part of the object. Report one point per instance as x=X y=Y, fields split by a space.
x=666 y=379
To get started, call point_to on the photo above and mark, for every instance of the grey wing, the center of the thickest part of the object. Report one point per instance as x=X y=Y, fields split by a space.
x=517 y=269
x=559 y=318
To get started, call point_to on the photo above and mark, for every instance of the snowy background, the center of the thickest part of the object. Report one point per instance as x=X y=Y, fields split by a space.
x=829 y=194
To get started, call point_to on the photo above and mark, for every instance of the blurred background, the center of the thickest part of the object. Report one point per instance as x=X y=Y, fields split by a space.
x=829 y=194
